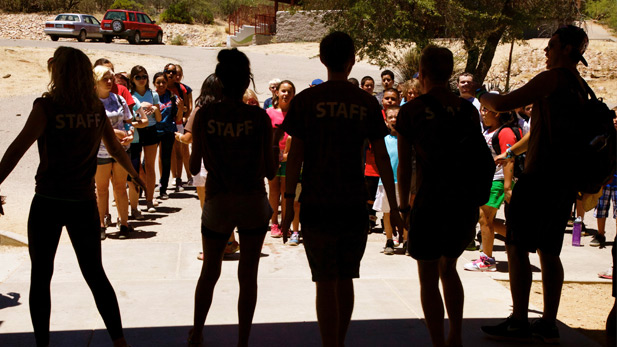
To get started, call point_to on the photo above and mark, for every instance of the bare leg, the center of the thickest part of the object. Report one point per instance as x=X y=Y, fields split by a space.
x=186 y=156
x=387 y=226
x=282 y=187
x=432 y=304
x=296 y=221
x=552 y=282
x=150 y=159
x=335 y=301
x=454 y=297
x=487 y=216
x=119 y=185
x=201 y=193
x=210 y=273
x=274 y=187
x=101 y=178
x=601 y=225
x=520 y=281
x=247 y=278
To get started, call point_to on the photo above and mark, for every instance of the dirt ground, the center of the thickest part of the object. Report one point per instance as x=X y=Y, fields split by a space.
x=584 y=306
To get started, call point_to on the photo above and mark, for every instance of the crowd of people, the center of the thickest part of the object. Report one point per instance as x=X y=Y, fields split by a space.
x=333 y=155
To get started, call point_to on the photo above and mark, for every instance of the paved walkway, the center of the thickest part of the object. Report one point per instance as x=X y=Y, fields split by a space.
x=154 y=275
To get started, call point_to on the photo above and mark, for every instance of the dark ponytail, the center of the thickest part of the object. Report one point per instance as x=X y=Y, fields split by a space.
x=234 y=72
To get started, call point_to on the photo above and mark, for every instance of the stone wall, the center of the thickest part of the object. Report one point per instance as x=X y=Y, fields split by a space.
x=300 y=26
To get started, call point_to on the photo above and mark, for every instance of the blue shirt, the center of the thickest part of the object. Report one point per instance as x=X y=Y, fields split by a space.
x=392 y=147
x=169 y=110
x=150 y=97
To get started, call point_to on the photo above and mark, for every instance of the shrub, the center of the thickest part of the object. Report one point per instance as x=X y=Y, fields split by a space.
x=178 y=12
x=126 y=5
x=178 y=40
x=409 y=64
x=602 y=10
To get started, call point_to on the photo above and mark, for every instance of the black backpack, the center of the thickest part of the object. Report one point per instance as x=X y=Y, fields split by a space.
x=596 y=143
x=519 y=160
x=470 y=156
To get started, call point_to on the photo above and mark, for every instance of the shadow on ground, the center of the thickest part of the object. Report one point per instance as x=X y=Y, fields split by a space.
x=387 y=332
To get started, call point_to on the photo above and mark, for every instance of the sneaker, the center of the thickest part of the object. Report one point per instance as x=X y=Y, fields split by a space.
x=103 y=234
x=107 y=221
x=608 y=274
x=389 y=248
x=150 y=207
x=294 y=240
x=545 y=331
x=509 y=330
x=598 y=240
x=155 y=203
x=124 y=232
x=396 y=242
x=164 y=196
x=232 y=247
x=406 y=247
x=136 y=214
x=189 y=183
x=483 y=264
x=471 y=246
x=275 y=231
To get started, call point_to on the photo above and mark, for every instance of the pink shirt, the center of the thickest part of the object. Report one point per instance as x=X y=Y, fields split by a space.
x=277 y=117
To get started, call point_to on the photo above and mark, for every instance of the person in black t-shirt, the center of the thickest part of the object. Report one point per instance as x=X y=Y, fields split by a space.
x=433 y=124
x=328 y=125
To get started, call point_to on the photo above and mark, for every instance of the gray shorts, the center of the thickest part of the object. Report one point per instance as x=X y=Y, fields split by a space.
x=226 y=211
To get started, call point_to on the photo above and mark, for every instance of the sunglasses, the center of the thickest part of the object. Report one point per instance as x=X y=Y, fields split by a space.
x=141 y=77
x=173 y=72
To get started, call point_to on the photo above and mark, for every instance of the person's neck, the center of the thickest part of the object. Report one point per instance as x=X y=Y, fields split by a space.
x=467 y=95
x=141 y=90
x=431 y=86
x=337 y=76
x=283 y=108
x=103 y=95
x=566 y=65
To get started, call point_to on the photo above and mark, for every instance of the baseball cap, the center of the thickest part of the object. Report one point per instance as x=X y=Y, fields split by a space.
x=576 y=37
x=316 y=82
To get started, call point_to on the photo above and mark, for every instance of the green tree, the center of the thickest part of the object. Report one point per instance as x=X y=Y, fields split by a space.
x=377 y=26
x=127 y=5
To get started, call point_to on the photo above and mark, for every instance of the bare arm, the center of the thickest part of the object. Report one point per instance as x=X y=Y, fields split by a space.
x=404 y=170
x=34 y=128
x=141 y=120
x=540 y=86
x=517 y=149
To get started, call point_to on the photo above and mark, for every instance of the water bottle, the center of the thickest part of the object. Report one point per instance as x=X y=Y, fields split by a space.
x=576 y=232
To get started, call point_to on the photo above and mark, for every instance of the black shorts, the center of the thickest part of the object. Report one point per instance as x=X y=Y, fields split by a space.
x=538 y=214
x=334 y=239
x=148 y=136
x=433 y=234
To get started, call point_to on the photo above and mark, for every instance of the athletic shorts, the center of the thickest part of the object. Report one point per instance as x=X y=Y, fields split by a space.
x=136 y=156
x=110 y=160
x=282 y=169
x=604 y=203
x=539 y=211
x=334 y=239
x=497 y=195
x=435 y=232
x=148 y=136
x=381 y=200
x=224 y=212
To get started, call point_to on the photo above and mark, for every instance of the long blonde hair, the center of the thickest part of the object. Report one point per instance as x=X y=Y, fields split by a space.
x=72 y=80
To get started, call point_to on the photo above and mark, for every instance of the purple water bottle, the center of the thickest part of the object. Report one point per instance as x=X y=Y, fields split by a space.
x=576 y=232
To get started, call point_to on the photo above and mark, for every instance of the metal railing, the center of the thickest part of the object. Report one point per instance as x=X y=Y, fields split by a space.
x=262 y=17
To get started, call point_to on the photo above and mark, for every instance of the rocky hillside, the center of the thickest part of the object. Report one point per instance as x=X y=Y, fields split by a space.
x=30 y=27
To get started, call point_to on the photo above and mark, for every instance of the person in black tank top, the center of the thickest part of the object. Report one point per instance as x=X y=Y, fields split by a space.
x=68 y=123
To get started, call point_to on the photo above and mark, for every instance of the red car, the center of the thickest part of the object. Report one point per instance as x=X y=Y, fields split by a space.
x=134 y=26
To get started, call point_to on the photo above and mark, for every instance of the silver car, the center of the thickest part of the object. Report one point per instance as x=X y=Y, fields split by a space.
x=74 y=25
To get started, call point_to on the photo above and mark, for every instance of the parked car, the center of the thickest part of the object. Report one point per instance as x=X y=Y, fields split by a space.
x=74 y=25
x=134 y=26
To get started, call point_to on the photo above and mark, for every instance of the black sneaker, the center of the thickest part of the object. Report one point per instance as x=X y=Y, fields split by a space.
x=164 y=196
x=103 y=234
x=545 y=331
x=124 y=232
x=509 y=330
x=598 y=240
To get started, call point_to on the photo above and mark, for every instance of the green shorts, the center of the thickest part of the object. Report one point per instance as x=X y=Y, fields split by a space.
x=282 y=169
x=497 y=194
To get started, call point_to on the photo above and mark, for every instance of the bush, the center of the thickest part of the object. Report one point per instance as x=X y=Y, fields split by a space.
x=409 y=64
x=178 y=40
x=178 y=12
x=204 y=16
x=126 y=5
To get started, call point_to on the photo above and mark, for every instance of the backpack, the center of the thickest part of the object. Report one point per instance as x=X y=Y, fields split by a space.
x=519 y=160
x=595 y=156
x=471 y=156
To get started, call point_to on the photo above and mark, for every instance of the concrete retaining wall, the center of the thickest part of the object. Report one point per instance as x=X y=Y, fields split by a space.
x=300 y=26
